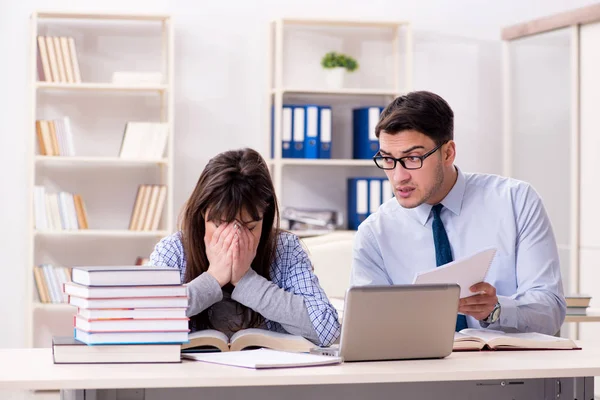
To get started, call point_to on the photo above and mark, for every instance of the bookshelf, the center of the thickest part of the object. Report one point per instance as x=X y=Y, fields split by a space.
x=296 y=77
x=98 y=110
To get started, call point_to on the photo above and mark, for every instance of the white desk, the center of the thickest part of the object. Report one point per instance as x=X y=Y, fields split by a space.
x=490 y=375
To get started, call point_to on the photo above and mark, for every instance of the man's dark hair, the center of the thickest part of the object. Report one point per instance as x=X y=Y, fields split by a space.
x=421 y=111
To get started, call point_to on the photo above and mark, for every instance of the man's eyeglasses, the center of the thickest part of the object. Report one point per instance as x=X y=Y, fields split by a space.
x=408 y=162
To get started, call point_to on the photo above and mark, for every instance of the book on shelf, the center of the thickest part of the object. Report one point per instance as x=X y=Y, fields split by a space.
x=578 y=300
x=68 y=350
x=125 y=276
x=144 y=140
x=55 y=138
x=487 y=339
x=210 y=339
x=148 y=207
x=142 y=260
x=264 y=358
x=113 y=292
x=58 y=211
x=57 y=60
x=49 y=281
x=577 y=311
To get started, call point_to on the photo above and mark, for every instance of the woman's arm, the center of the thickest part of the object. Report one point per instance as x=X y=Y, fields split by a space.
x=203 y=291
x=300 y=306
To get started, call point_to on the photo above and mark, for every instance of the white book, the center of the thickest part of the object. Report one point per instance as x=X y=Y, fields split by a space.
x=41 y=220
x=264 y=358
x=130 y=337
x=69 y=137
x=132 y=302
x=161 y=133
x=135 y=313
x=125 y=276
x=113 y=292
x=465 y=272
x=131 y=325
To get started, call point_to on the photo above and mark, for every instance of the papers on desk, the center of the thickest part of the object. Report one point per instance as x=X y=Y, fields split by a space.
x=465 y=272
x=264 y=358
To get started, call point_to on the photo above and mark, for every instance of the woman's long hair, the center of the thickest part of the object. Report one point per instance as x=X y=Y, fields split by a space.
x=232 y=182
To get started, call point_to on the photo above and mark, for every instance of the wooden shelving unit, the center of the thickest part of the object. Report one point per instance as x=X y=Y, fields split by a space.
x=75 y=170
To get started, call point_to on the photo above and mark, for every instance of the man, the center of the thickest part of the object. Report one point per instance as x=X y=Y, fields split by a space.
x=441 y=213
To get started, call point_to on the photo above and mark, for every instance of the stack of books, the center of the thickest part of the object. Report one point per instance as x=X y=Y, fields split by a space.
x=577 y=304
x=125 y=315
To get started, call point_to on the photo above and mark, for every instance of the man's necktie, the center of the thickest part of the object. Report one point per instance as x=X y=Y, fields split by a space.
x=443 y=252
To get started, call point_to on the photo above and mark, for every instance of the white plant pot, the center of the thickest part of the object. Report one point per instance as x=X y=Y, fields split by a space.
x=335 y=77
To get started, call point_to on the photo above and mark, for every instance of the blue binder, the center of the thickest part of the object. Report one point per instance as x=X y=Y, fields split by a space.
x=358 y=201
x=311 y=131
x=324 y=132
x=298 y=131
x=286 y=131
x=365 y=143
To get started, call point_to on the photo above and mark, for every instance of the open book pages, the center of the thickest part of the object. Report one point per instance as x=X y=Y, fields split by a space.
x=247 y=338
x=479 y=339
x=264 y=358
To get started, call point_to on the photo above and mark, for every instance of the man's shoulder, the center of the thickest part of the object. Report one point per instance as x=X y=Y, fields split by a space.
x=496 y=183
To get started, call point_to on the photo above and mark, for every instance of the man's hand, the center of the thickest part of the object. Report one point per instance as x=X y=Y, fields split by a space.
x=480 y=305
x=244 y=251
x=219 y=251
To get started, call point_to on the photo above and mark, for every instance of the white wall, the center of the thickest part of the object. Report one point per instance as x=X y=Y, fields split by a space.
x=220 y=81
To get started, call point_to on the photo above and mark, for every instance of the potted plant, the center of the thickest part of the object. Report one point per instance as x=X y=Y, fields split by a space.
x=337 y=65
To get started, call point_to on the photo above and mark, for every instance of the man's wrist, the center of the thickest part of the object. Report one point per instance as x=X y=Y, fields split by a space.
x=494 y=316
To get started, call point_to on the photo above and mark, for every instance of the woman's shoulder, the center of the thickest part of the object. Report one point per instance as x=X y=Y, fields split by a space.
x=288 y=241
x=171 y=245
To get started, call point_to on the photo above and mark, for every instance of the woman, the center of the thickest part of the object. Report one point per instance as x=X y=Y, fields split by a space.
x=242 y=271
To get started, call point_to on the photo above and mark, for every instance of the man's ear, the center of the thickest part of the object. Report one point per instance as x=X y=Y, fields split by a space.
x=449 y=152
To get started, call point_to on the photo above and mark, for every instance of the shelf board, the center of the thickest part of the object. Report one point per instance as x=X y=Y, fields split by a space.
x=100 y=86
x=106 y=161
x=107 y=16
x=53 y=306
x=123 y=233
x=324 y=162
x=344 y=91
x=344 y=23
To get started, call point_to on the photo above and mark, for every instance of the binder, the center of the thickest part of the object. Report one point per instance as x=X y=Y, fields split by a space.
x=374 y=194
x=386 y=190
x=364 y=140
x=298 y=132
x=286 y=131
x=358 y=201
x=311 y=137
x=325 y=132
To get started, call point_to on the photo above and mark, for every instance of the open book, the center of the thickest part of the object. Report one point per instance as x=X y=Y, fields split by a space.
x=485 y=339
x=247 y=338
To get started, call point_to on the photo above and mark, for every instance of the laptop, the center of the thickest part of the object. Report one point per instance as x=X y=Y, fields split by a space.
x=397 y=322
